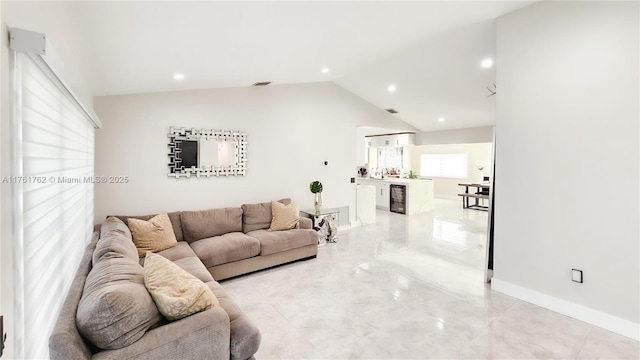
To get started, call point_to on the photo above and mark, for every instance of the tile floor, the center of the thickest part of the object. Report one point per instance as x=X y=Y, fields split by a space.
x=409 y=288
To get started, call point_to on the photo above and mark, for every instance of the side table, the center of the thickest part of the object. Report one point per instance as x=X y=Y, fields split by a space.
x=323 y=221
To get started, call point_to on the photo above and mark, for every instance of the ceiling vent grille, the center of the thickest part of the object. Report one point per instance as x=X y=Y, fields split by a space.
x=391 y=111
x=261 y=83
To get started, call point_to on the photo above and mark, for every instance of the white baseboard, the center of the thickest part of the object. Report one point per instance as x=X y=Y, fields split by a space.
x=598 y=318
x=349 y=226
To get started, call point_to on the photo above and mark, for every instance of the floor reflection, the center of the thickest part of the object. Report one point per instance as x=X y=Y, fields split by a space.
x=408 y=287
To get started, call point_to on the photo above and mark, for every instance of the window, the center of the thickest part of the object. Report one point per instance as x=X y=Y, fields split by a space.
x=390 y=157
x=52 y=172
x=444 y=165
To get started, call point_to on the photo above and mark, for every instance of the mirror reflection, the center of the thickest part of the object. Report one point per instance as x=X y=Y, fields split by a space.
x=214 y=154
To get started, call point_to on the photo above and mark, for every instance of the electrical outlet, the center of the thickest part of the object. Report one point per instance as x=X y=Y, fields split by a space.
x=576 y=275
x=353 y=180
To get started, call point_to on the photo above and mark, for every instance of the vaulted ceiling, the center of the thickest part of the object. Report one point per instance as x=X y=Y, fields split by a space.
x=430 y=51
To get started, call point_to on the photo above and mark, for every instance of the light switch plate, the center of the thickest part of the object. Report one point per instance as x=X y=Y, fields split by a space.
x=576 y=275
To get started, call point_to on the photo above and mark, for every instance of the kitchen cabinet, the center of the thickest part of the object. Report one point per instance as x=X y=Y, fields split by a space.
x=366 y=204
x=382 y=192
x=418 y=193
x=382 y=195
x=397 y=140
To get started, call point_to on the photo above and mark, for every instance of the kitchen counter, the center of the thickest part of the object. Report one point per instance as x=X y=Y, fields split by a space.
x=419 y=193
x=393 y=180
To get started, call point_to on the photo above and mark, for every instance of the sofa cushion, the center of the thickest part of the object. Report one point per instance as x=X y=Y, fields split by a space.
x=183 y=256
x=180 y=251
x=284 y=217
x=305 y=223
x=177 y=293
x=202 y=224
x=115 y=309
x=173 y=216
x=245 y=336
x=226 y=248
x=272 y=242
x=115 y=237
x=258 y=216
x=195 y=267
x=114 y=225
x=153 y=235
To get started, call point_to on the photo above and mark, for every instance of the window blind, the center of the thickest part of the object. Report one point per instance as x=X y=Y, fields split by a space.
x=444 y=165
x=390 y=157
x=53 y=165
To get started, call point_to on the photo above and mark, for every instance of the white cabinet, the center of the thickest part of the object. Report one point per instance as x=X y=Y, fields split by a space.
x=366 y=204
x=397 y=140
x=382 y=192
x=382 y=195
x=419 y=194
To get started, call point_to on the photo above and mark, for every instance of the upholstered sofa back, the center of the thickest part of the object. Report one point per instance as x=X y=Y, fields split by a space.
x=115 y=309
x=173 y=216
x=106 y=299
x=65 y=341
x=258 y=216
x=191 y=226
x=202 y=224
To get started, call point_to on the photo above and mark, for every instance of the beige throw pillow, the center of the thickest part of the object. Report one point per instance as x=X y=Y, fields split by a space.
x=177 y=293
x=284 y=217
x=153 y=235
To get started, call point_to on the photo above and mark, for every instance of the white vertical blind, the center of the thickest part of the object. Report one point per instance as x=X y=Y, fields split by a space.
x=53 y=145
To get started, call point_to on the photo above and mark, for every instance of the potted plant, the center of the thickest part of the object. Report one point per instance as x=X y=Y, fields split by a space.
x=316 y=189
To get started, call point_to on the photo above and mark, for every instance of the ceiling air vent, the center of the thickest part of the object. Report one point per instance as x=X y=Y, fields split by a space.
x=262 y=83
x=391 y=111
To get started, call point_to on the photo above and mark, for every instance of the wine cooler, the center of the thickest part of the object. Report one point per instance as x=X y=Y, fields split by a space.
x=398 y=198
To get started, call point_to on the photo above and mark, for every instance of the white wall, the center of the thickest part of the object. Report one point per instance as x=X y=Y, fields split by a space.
x=482 y=134
x=448 y=188
x=567 y=160
x=62 y=22
x=292 y=130
x=361 y=148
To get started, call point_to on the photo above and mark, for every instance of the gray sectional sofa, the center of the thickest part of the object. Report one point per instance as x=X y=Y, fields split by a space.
x=108 y=314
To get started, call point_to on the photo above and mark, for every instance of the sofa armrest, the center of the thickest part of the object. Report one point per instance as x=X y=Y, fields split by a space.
x=305 y=223
x=204 y=335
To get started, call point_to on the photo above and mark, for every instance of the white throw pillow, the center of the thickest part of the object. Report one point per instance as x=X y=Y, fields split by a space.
x=177 y=293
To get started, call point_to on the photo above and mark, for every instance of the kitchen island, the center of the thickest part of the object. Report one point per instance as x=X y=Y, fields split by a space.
x=418 y=194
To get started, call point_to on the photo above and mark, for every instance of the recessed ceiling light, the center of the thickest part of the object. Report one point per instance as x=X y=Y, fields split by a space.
x=391 y=88
x=487 y=63
x=325 y=70
x=178 y=76
x=441 y=119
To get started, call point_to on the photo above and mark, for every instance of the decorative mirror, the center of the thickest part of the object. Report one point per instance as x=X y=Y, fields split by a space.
x=206 y=152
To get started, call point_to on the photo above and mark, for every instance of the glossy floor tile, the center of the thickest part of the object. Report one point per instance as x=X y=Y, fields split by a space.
x=409 y=287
